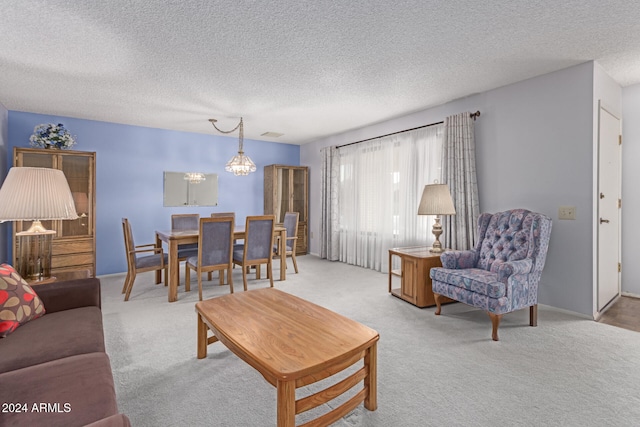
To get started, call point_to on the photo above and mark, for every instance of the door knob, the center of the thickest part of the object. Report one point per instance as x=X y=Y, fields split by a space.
x=606 y=221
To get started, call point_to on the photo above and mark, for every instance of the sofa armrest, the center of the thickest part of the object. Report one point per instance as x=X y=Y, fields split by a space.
x=457 y=259
x=68 y=294
x=118 y=420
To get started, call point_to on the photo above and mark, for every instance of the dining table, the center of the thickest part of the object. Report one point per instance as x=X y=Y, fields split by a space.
x=173 y=238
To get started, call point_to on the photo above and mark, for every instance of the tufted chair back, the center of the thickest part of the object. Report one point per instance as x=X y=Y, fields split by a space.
x=511 y=236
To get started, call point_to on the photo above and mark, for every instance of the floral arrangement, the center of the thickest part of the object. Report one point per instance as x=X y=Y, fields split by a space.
x=49 y=135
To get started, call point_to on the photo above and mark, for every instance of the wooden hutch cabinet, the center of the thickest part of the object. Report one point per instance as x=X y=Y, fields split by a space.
x=74 y=245
x=286 y=190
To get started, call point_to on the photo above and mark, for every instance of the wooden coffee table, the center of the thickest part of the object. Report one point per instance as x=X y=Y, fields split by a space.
x=293 y=343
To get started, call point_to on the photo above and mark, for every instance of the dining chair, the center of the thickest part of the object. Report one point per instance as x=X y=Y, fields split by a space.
x=291 y=225
x=215 y=251
x=136 y=263
x=185 y=222
x=256 y=250
x=222 y=215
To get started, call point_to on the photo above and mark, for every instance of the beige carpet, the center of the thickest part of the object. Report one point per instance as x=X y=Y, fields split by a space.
x=432 y=371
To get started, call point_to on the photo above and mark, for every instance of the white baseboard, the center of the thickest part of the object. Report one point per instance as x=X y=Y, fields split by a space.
x=629 y=294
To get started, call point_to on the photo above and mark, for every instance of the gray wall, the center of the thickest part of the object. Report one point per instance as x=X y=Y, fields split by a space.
x=534 y=143
x=630 y=193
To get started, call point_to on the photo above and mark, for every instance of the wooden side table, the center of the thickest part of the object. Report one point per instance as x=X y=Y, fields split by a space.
x=415 y=283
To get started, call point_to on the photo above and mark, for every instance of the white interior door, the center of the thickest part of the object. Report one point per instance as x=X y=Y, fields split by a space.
x=609 y=193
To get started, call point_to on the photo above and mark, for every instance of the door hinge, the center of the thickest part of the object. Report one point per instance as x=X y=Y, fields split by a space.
x=619 y=203
x=619 y=139
x=619 y=267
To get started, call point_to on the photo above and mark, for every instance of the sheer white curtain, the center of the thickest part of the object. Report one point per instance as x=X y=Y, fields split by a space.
x=379 y=187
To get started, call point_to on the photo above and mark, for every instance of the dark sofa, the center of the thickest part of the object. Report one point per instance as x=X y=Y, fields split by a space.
x=54 y=370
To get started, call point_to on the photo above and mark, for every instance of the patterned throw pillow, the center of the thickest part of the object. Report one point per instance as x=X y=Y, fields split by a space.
x=18 y=302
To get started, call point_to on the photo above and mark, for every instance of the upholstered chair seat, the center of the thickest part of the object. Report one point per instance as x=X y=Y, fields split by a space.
x=501 y=273
x=151 y=260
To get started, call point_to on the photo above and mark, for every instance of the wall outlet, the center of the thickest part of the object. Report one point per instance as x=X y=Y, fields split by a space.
x=567 y=212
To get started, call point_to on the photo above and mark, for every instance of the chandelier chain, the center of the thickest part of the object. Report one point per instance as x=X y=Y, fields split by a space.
x=240 y=126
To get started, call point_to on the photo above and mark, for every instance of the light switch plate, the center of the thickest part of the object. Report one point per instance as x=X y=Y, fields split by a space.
x=567 y=212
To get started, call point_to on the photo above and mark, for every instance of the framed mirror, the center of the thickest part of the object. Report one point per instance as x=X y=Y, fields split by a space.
x=190 y=189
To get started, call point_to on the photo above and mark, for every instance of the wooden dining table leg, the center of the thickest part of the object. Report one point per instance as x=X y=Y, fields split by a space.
x=174 y=270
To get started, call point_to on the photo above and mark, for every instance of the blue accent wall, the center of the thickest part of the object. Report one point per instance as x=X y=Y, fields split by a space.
x=130 y=161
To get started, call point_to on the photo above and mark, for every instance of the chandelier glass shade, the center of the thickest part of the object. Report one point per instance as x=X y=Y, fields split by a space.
x=240 y=164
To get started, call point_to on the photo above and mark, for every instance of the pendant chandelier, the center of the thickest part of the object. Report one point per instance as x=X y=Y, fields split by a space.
x=239 y=164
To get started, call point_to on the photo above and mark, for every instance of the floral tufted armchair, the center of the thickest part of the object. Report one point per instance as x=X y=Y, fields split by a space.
x=501 y=273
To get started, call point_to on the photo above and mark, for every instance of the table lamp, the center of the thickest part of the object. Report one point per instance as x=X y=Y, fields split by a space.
x=35 y=194
x=436 y=200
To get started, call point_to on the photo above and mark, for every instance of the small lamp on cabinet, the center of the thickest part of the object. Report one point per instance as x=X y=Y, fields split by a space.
x=35 y=194
x=436 y=200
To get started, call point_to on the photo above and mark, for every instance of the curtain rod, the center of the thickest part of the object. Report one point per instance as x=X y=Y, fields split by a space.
x=473 y=116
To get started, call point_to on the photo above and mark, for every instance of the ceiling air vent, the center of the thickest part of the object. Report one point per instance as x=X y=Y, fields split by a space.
x=272 y=134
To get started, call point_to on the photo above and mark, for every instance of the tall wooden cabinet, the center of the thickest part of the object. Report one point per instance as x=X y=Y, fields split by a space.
x=74 y=245
x=286 y=189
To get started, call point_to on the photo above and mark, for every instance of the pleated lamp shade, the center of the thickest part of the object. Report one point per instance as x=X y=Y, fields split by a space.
x=436 y=200
x=35 y=194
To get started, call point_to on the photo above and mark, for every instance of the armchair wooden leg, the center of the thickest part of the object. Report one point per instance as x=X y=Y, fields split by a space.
x=438 y=299
x=295 y=263
x=495 y=322
x=533 y=315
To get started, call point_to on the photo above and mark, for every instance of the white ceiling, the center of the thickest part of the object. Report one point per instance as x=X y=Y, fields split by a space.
x=307 y=69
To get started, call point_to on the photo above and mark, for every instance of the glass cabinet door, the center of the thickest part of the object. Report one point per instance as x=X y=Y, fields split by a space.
x=77 y=169
x=283 y=193
x=299 y=195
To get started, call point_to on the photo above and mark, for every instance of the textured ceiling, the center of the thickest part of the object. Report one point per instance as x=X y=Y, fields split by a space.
x=307 y=69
